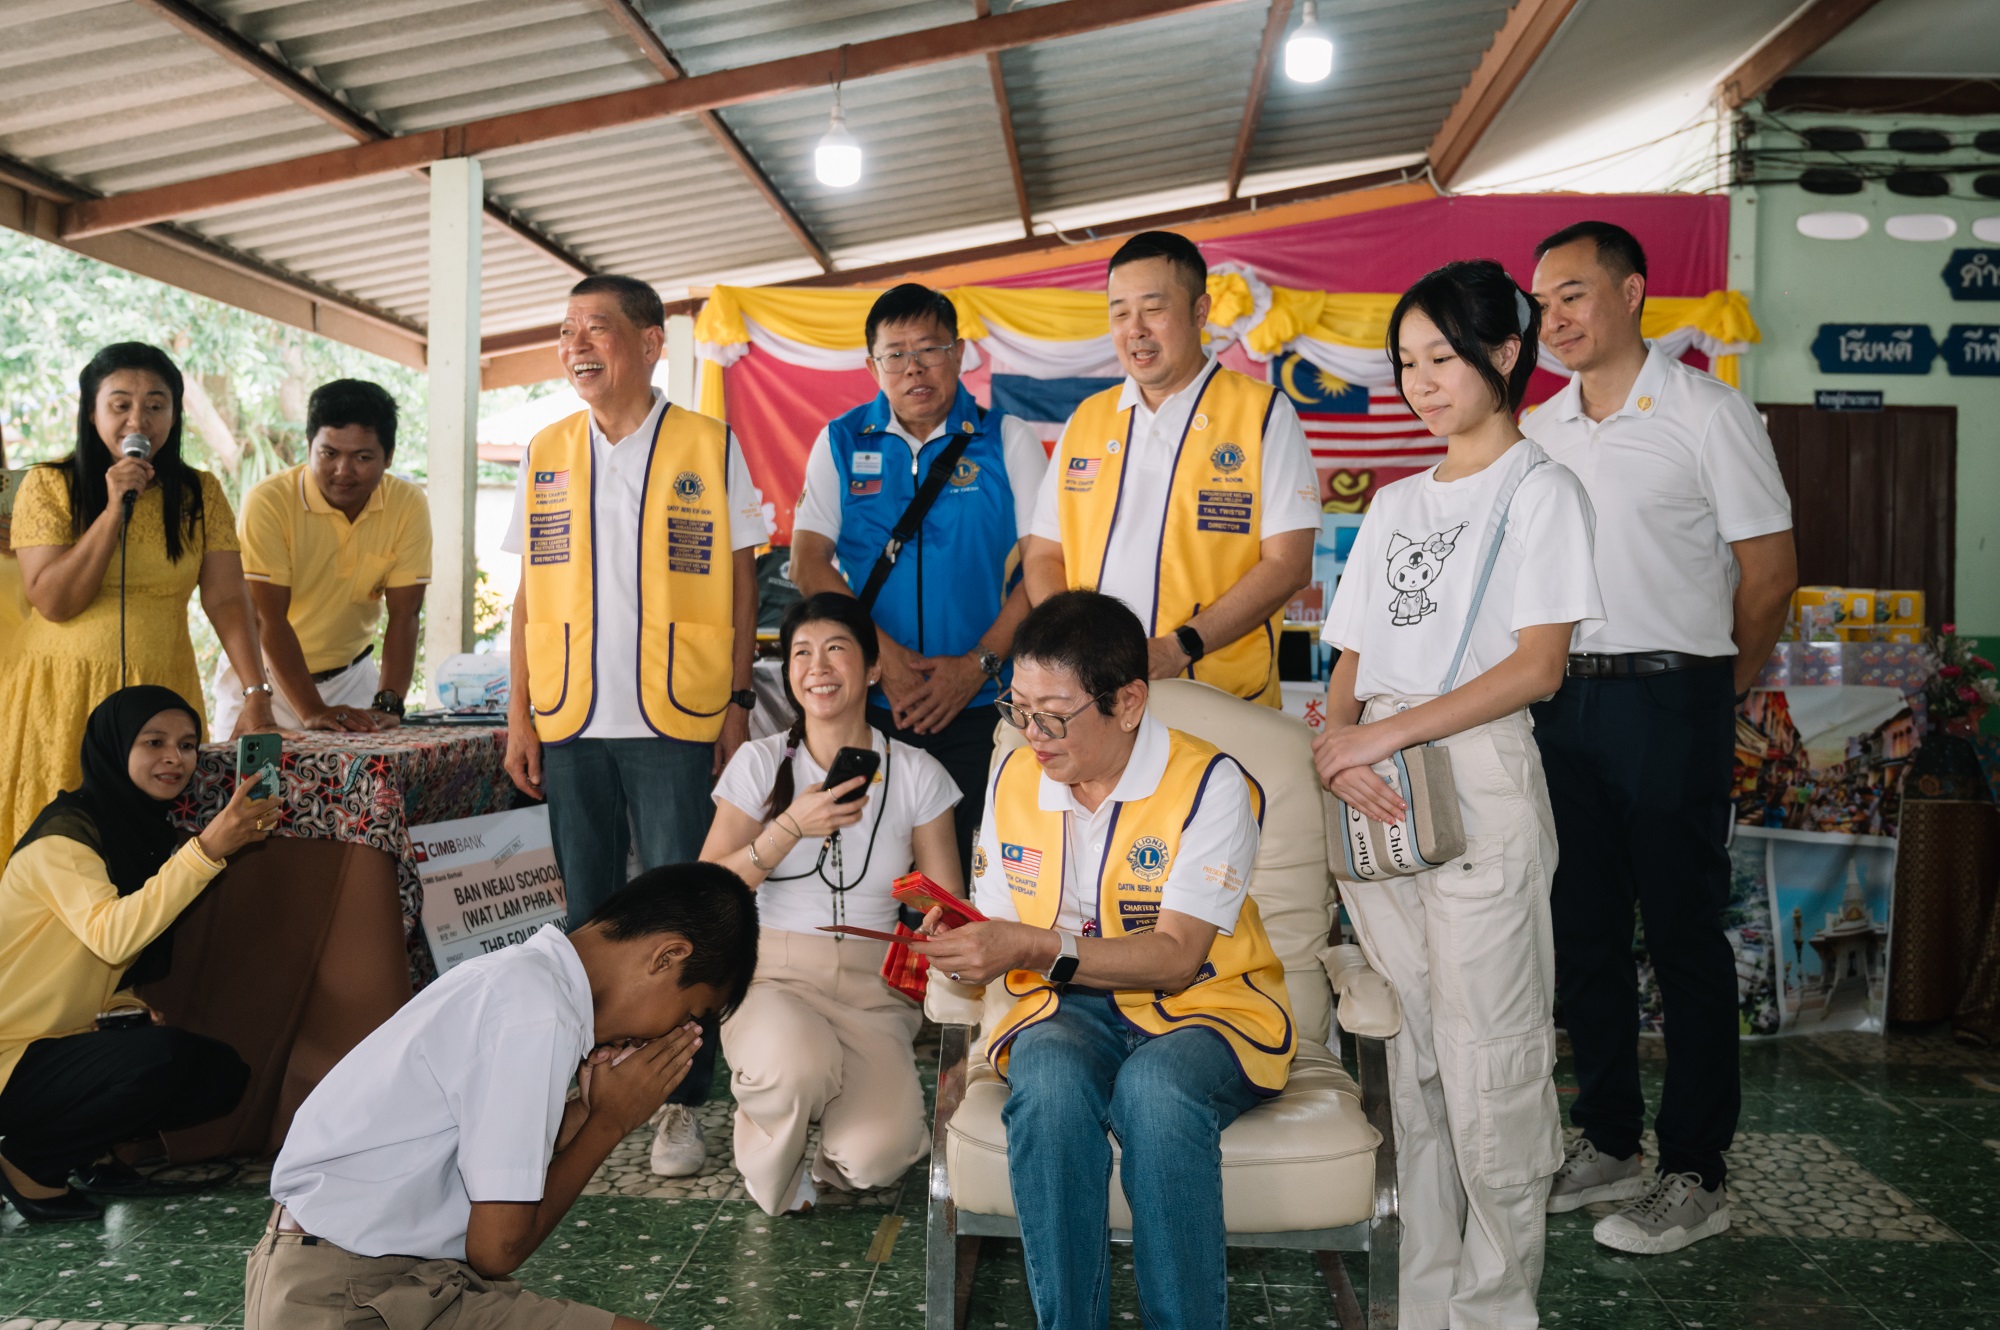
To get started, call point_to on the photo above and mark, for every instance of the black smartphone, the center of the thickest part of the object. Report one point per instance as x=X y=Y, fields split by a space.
x=255 y=752
x=849 y=763
x=124 y=1018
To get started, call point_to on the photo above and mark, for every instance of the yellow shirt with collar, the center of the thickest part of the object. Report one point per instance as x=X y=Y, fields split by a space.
x=67 y=936
x=337 y=570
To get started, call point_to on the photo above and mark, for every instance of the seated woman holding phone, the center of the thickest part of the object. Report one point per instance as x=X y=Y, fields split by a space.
x=820 y=821
x=86 y=903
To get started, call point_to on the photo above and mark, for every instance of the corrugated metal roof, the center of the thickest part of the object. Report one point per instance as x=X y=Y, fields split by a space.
x=101 y=93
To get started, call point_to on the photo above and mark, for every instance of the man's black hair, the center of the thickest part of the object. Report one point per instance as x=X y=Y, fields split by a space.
x=1089 y=634
x=639 y=302
x=1477 y=307
x=911 y=302
x=1617 y=249
x=1179 y=252
x=704 y=903
x=345 y=402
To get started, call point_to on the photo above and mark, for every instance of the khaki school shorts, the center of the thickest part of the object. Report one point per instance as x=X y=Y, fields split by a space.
x=294 y=1281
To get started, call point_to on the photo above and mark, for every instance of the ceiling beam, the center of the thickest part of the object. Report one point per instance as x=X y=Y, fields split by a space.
x=1006 y=108
x=1519 y=43
x=1799 y=36
x=627 y=16
x=1260 y=86
x=220 y=39
x=659 y=101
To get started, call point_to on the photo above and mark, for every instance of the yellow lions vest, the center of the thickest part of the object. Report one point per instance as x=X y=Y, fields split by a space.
x=686 y=626
x=1239 y=991
x=1210 y=536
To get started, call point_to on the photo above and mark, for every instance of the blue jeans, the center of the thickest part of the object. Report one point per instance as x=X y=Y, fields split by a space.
x=1084 y=1072
x=602 y=793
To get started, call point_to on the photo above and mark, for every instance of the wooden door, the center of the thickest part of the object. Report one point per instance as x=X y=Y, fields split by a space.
x=1874 y=497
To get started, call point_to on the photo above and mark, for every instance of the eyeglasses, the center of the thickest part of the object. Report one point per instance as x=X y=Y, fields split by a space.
x=1056 y=727
x=924 y=357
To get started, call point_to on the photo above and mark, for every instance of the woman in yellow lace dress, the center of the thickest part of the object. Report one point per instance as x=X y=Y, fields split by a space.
x=67 y=515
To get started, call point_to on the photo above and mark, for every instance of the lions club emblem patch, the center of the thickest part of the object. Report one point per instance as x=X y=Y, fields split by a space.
x=688 y=487
x=964 y=473
x=1227 y=457
x=1148 y=858
x=979 y=861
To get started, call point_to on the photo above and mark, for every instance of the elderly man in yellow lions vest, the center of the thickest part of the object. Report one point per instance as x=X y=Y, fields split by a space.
x=1187 y=492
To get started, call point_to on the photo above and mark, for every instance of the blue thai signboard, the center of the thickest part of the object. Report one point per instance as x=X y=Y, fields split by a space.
x=1973 y=274
x=1972 y=348
x=1874 y=348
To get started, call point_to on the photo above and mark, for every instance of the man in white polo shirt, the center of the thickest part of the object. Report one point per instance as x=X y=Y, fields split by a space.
x=442 y=1151
x=1188 y=492
x=1694 y=555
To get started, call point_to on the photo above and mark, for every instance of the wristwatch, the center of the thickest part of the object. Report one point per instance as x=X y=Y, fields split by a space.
x=989 y=662
x=388 y=703
x=745 y=698
x=1190 y=642
x=1064 y=966
x=252 y=689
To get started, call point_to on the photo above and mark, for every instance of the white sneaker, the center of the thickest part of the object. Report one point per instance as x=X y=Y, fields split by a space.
x=1675 y=1213
x=679 y=1149
x=1587 y=1177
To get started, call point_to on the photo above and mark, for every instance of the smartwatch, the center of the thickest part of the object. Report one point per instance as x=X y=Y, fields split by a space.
x=388 y=703
x=989 y=662
x=1190 y=642
x=1063 y=967
x=745 y=698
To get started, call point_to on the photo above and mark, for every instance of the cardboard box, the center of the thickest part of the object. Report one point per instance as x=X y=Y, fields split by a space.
x=1900 y=608
x=1910 y=633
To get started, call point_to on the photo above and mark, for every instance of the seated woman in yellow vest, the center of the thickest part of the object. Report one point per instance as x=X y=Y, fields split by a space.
x=1113 y=866
x=820 y=1037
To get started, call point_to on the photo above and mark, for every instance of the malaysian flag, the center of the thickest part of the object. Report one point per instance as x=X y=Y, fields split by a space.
x=1361 y=437
x=1084 y=468
x=552 y=480
x=1021 y=858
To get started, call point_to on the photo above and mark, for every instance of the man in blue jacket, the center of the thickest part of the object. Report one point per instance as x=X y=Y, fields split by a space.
x=950 y=601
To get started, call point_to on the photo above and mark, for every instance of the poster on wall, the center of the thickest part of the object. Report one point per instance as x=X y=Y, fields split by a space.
x=490 y=882
x=1829 y=906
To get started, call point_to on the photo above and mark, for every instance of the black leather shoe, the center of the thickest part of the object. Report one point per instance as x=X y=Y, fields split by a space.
x=70 y=1207
x=111 y=1177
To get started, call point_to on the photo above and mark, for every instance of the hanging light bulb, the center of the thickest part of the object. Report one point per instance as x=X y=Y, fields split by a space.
x=837 y=160
x=1309 y=50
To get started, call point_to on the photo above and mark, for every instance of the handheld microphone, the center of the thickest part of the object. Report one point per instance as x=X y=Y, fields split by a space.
x=141 y=447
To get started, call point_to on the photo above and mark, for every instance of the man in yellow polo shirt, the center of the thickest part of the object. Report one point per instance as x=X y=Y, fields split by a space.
x=1187 y=492
x=325 y=545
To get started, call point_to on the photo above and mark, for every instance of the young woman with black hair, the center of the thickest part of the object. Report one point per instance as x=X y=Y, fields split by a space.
x=821 y=1038
x=68 y=527
x=1498 y=537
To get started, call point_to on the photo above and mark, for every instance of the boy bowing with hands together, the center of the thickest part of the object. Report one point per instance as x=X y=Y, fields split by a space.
x=440 y=1153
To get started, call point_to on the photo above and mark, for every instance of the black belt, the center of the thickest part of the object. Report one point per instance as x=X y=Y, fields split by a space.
x=1635 y=664
x=324 y=675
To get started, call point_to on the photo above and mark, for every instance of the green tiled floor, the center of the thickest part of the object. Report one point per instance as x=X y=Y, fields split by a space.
x=1911 y=1124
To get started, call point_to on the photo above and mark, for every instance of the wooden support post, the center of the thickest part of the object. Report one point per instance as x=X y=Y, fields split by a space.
x=457 y=199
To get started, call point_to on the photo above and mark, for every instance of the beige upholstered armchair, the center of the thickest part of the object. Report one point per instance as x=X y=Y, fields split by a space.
x=1313 y=1169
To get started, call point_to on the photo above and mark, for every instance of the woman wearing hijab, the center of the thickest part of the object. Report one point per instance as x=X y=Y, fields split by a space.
x=82 y=639
x=86 y=903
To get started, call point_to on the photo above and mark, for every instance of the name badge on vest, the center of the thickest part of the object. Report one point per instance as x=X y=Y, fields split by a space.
x=867 y=464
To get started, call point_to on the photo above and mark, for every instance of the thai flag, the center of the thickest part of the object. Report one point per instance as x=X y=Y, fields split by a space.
x=1361 y=437
x=1021 y=859
x=1046 y=404
x=551 y=480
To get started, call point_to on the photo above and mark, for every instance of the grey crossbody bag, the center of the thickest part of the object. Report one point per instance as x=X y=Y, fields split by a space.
x=1431 y=832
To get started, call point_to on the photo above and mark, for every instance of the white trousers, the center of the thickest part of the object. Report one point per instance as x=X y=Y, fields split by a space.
x=354 y=686
x=1469 y=950
x=821 y=1038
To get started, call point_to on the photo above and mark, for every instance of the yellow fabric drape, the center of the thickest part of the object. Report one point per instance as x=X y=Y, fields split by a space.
x=834 y=319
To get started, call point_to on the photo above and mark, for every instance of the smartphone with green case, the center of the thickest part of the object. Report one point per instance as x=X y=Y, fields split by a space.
x=254 y=752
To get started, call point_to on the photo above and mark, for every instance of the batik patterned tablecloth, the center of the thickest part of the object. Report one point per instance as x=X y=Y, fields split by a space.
x=370 y=789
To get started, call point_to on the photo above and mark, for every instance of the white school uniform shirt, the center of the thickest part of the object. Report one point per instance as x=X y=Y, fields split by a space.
x=1402 y=601
x=456 y=1098
x=1290 y=492
x=1207 y=877
x=820 y=505
x=1676 y=475
x=620 y=471
x=915 y=790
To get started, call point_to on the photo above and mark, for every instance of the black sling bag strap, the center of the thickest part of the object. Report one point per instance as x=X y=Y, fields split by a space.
x=913 y=516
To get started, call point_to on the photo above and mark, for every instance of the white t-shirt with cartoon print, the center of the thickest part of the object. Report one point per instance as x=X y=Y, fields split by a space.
x=1410 y=577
